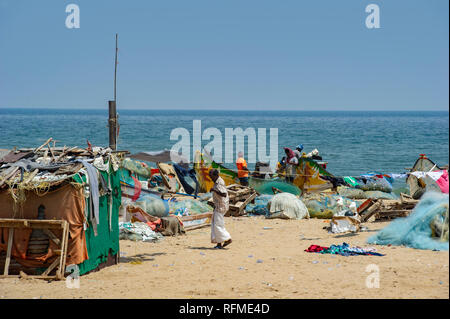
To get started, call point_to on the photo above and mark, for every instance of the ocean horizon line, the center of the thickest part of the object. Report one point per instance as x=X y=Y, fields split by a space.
x=219 y=110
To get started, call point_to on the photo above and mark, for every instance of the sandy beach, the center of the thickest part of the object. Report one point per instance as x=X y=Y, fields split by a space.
x=265 y=260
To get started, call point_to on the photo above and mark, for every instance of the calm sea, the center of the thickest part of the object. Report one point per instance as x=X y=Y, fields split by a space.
x=353 y=143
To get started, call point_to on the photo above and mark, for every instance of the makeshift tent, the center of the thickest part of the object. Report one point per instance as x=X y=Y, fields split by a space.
x=63 y=191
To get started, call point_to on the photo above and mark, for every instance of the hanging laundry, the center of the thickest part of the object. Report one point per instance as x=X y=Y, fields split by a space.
x=396 y=176
x=435 y=175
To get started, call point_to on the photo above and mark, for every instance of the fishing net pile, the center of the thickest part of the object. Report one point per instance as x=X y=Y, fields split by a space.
x=323 y=205
x=189 y=207
x=266 y=187
x=136 y=167
x=425 y=228
x=356 y=193
x=260 y=205
x=153 y=205
x=287 y=206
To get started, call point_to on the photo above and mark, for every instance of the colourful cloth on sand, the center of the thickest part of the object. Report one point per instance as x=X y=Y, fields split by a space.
x=343 y=250
x=315 y=249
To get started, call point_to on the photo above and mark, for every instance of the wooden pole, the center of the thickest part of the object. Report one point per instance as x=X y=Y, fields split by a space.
x=112 y=122
x=112 y=125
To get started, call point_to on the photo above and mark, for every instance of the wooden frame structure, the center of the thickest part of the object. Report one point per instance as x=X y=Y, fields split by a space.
x=46 y=226
x=386 y=209
x=165 y=170
x=196 y=217
x=239 y=197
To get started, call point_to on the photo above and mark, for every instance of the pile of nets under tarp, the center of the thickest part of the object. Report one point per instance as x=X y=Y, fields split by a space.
x=138 y=231
x=322 y=205
x=287 y=206
x=356 y=193
x=153 y=205
x=263 y=186
x=136 y=167
x=380 y=195
x=260 y=206
x=189 y=207
x=375 y=182
x=425 y=228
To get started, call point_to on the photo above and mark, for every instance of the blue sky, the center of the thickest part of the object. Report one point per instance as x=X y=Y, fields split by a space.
x=226 y=54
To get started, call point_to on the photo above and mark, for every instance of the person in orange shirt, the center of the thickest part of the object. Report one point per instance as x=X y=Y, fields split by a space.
x=242 y=169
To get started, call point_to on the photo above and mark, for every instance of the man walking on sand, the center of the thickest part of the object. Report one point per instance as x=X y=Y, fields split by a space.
x=219 y=234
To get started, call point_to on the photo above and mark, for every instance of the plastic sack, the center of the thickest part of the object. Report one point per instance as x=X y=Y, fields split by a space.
x=325 y=206
x=153 y=205
x=416 y=230
x=287 y=206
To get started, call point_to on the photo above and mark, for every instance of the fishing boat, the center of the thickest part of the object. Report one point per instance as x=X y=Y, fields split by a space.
x=418 y=186
x=307 y=179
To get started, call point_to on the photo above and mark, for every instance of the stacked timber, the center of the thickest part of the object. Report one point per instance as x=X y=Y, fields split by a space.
x=239 y=197
x=387 y=209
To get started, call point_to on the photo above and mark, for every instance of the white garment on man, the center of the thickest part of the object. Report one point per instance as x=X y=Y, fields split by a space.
x=218 y=232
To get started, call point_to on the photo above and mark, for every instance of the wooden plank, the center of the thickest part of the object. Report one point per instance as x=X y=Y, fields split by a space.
x=8 y=252
x=52 y=236
x=52 y=266
x=370 y=212
x=51 y=153
x=62 y=265
x=43 y=145
x=196 y=227
x=8 y=175
x=247 y=201
x=30 y=223
x=29 y=276
x=394 y=212
x=37 y=246
x=195 y=217
x=366 y=204
x=30 y=176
